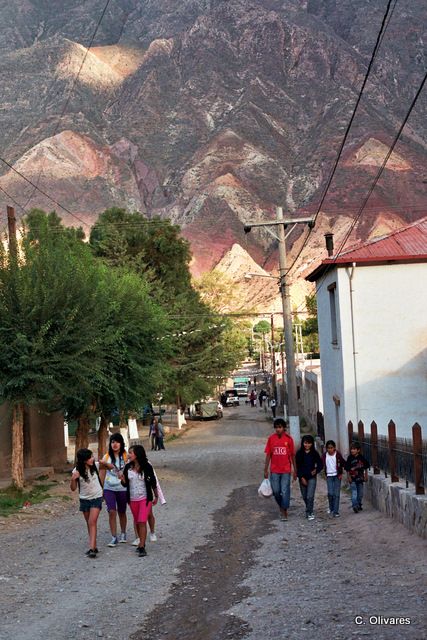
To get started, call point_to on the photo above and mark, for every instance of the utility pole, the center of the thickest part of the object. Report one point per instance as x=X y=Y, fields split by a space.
x=11 y=225
x=291 y=384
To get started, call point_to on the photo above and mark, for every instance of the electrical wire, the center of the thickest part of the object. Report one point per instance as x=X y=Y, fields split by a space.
x=63 y=111
x=376 y=179
x=384 y=26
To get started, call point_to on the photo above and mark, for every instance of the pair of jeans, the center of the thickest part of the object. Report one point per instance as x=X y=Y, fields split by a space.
x=281 y=485
x=334 y=487
x=307 y=492
x=356 y=494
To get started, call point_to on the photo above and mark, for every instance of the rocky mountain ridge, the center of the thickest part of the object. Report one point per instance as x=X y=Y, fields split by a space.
x=212 y=112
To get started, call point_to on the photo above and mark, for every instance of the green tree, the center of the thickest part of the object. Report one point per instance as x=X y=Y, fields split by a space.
x=155 y=250
x=52 y=314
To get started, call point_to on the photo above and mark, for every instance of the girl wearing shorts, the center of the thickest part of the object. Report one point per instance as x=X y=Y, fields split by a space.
x=85 y=476
x=141 y=485
x=115 y=495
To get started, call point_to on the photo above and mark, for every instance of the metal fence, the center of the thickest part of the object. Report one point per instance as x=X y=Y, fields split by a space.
x=400 y=458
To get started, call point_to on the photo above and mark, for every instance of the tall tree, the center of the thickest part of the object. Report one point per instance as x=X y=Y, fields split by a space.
x=52 y=314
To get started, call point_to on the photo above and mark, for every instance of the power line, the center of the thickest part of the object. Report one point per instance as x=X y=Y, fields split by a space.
x=376 y=179
x=64 y=109
x=383 y=28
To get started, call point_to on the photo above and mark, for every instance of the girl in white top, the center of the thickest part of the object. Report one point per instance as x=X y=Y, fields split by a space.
x=85 y=476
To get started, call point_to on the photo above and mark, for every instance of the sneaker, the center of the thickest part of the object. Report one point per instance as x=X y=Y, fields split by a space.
x=91 y=553
x=153 y=537
x=328 y=511
x=141 y=552
x=336 y=515
x=356 y=509
x=123 y=538
x=114 y=542
x=135 y=543
x=360 y=507
x=89 y=550
x=310 y=516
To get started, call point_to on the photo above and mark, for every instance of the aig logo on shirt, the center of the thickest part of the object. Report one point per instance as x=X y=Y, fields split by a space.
x=280 y=451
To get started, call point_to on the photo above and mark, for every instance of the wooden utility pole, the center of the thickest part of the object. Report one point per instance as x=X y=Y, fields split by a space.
x=11 y=225
x=280 y=222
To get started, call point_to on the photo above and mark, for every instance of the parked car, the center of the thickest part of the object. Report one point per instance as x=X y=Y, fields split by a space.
x=231 y=398
x=207 y=410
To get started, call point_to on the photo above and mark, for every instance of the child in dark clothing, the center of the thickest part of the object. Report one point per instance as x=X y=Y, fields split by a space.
x=357 y=472
x=308 y=465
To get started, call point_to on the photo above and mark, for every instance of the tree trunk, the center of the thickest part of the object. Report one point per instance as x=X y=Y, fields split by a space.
x=18 y=445
x=82 y=432
x=102 y=436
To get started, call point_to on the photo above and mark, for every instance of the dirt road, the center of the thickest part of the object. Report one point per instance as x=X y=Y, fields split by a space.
x=223 y=567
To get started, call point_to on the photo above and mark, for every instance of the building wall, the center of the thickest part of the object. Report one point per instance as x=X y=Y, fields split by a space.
x=309 y=383
x=386 y=378
x=43 y=439
x=331 y=361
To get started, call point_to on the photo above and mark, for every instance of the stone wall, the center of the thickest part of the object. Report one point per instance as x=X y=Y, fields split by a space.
x=399 y=503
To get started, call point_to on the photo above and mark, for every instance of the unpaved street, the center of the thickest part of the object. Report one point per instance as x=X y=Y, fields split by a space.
x=223 y=567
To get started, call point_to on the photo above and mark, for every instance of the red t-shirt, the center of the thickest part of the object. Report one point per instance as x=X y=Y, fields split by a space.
x=281 y=451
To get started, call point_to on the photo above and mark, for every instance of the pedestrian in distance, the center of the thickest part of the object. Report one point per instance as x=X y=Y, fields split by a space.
x=152 y=431
x=273 y=405
x=85 y=477
x=140 y=481
x=115 y=495
x=309 y=465
x=280 y=459
x=357 y=473
x=333 y=465
x=261 y=398
x=160 y=436
x=252 y=398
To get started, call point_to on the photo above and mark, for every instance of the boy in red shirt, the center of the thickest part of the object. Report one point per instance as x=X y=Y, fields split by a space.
x=280 y=457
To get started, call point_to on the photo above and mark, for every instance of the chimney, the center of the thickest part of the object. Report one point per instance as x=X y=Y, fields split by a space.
x=329 y=239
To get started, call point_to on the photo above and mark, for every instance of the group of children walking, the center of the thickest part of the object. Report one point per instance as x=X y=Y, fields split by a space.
x=120 y=478
x=306 y=465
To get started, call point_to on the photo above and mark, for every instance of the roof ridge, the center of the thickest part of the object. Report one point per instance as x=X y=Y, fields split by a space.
x=367 y=243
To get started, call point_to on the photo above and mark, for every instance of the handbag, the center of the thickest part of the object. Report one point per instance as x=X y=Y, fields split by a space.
x=265 y=489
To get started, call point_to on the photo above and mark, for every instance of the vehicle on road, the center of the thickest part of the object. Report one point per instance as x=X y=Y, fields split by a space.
x=242 y=389
x=211 y=410
x=231 y=398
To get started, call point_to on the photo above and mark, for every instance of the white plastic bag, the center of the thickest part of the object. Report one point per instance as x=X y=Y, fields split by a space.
x=265 y=490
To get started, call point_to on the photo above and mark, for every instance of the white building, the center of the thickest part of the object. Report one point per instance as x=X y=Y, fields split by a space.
x=372 y=313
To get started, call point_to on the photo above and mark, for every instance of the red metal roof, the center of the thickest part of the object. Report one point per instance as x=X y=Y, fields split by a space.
x=408 y=244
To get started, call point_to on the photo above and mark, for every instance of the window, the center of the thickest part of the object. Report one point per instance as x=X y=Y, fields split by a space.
x=333 y=310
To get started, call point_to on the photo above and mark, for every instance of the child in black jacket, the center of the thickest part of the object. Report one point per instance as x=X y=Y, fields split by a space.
x=308 y=465
x=357 y=472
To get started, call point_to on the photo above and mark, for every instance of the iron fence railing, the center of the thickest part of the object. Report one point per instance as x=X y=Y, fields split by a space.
x=399 y=458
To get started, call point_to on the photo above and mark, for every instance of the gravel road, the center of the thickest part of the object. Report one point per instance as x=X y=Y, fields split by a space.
x=224 y=565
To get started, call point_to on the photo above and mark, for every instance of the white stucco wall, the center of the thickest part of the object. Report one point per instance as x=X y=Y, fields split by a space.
x=390 y=329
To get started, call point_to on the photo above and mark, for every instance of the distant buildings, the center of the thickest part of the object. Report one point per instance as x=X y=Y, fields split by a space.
x=372 y=314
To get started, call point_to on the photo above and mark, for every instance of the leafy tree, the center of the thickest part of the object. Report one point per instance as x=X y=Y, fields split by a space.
x=155 y=250
x=309 y=327
x=52 y=314
x=263 y=327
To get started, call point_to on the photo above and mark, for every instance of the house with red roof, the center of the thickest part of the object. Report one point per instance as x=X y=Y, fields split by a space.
x=372 y=314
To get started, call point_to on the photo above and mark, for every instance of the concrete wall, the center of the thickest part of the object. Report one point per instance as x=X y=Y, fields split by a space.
x=310 y=388
x=43 y=439
x=331 y=358
x=398 y=503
